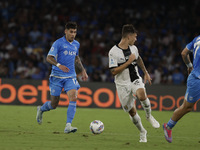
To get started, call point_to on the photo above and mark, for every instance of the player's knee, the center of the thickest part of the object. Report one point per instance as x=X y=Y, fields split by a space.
x=132 y=112
x=54 y=105
x=74 y=99
x=189 y=109
x=142 y=97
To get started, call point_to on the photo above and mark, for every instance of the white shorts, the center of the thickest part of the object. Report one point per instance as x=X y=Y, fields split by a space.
x=127 y=93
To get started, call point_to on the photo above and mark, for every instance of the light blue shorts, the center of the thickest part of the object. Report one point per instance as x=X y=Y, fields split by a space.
x=193 y=89
x=56 y=85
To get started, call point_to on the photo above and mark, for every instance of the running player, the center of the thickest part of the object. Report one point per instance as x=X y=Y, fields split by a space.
x=123 y=61
x=63 y=56
x=192 y=93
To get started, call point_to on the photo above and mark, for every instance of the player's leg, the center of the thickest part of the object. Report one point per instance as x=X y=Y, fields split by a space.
x=177 y=115
x=47 y=106
x=71 y=87
x=55 y=91
x=181 y=111
x=72 y=95
x=135 y=118
x=127 y=101
x=191 y=97
x=141 y=95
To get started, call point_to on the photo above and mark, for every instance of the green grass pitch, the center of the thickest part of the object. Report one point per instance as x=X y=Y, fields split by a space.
x=20 y=131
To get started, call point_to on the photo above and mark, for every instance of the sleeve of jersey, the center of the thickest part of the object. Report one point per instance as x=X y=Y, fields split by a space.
x=54 y=49
x=189 y=46
x=134 y=50
x=78 y=49
x=112 y=60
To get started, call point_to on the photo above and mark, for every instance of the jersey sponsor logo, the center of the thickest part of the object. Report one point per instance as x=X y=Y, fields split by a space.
x=52 y=49
x=190 y=98
x=111 y=61
x=69 y=52
x=136 y=82
x=66 y=52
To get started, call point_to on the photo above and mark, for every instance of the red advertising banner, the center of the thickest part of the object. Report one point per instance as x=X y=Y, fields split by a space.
x=91 y=94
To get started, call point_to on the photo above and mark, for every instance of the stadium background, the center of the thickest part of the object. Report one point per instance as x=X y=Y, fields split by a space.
x=28 y=28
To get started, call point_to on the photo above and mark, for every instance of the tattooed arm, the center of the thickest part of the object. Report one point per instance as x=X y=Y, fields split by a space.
x=80 y=69
x=147 y=77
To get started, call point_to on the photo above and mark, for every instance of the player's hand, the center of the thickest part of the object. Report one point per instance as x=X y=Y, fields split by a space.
x=189 y=70
x=64 y=68
x=84 y=75
x=147 y=78
x=131 y=58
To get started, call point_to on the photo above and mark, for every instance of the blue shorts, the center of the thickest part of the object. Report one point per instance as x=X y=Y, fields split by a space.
x=56 y=85
x=193 y=89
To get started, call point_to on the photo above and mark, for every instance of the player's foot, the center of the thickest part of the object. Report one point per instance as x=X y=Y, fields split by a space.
x=143 y=136
x=168 y=133
x=39 y=115
x=153 y=122
x=69 y=128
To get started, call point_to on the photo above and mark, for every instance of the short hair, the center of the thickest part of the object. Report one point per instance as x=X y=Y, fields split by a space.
x=127 y=29
x=71 y=25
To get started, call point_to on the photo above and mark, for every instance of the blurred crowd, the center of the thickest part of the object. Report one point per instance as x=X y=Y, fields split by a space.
x=28 y=29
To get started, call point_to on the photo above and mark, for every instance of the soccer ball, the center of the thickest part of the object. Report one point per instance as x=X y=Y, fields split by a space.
x=96 y=127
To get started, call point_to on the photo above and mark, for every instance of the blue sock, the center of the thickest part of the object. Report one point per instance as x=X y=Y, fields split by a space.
x=46 y=106
x=71 y=111
x=171 y=123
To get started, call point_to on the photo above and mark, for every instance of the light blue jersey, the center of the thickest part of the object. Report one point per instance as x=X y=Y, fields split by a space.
x=64 y=53
x=193 y=82
x=194 y=47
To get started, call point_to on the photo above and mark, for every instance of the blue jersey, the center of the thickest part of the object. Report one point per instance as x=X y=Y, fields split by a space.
x=194 y=47
x=64 y=53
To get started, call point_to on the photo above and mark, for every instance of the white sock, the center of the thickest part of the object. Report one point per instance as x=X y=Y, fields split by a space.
x=68 y=124
x=147 y=107
x=137 y=121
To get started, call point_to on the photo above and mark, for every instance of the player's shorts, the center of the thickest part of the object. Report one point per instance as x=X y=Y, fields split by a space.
x=193 y=89
x=56 y=85
x=126 y=94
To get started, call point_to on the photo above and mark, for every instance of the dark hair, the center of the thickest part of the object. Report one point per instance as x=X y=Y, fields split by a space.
x=71 y=25
x=127 y=29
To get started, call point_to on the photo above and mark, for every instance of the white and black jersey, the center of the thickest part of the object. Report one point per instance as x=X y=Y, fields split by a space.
x=117 y=57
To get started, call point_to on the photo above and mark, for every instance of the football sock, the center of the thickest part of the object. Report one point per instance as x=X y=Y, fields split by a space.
x=137 y=121
x=171 y=124
x=147 y=107
x=71 y=111
x=46 y=106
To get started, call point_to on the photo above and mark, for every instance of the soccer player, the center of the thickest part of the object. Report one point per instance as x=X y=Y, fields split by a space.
x=123 y=61
x=192 y=92
x=63 y=56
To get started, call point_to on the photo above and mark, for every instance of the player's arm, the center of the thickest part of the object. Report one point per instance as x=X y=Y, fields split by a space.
x=51 y=59
x=140 y=63
x=119 y=69
x=80 y=69
x=186 y=58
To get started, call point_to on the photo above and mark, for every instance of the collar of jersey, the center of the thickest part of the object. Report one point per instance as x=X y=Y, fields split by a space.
x=66 y=40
